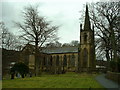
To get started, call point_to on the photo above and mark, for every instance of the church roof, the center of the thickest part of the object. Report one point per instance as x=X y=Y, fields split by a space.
x=70 y=49
x=53 y=50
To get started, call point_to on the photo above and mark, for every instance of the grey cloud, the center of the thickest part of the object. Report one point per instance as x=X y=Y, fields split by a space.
x=65 y=14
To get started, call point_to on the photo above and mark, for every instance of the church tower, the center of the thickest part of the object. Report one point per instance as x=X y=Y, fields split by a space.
x=87 y=47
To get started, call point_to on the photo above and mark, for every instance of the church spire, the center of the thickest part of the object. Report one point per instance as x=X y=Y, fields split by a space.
x=87 y=20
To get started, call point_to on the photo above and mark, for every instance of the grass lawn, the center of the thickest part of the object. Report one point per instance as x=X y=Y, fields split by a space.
x=68 y=80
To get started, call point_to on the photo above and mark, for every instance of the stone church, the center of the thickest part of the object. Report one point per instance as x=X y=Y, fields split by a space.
x=60 y=59
x=87 y=47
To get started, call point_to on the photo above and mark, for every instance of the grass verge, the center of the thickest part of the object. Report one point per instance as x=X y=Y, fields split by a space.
x=68 y=80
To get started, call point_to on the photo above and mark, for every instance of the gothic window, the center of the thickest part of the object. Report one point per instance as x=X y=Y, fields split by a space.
x=85 y=57
x=65 y=60
x=85 y=37
x=51 y=61
x=73 y=60
x=57 y=61
x=69 y=60
x=44 y=61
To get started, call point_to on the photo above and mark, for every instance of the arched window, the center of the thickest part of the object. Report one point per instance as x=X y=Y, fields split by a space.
x=51 y=61
x=85 y=37
x=69 y=60
x=44 y=61
x=73 y=60
x=85 y=57
x=57 y=60
x=65 y=60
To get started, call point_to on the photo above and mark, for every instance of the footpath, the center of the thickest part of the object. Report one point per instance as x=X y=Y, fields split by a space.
x=110 y=85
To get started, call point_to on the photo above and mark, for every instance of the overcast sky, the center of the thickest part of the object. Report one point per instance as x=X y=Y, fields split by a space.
x=61 y=12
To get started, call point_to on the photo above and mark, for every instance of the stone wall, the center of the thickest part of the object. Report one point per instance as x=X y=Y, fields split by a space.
x=113 y=76
x=72 y=60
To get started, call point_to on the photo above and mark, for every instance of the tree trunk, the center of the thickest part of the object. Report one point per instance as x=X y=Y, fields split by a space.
x=108 y=59
x=114 y=46
x=12 y=76
x=111 y=53
x=37 y=62
x=22 y=75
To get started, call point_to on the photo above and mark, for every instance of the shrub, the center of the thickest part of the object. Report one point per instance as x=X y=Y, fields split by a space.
x=20 y=68
x=115 y=65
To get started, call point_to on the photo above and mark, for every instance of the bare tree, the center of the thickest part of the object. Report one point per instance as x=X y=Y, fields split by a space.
x=4 y=31
x=105 y=16
x=9 y=41
x=66 y=45
x=99 y=46
x=55 y=44
x=74 y=43
x=36 y=30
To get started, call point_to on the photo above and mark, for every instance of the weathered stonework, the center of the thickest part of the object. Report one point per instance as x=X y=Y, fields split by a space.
x=87 y=48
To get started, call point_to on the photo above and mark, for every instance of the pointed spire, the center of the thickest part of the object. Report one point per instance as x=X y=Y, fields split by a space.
x=87 y=20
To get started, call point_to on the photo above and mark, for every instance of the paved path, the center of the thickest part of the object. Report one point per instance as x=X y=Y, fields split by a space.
x=110 y=85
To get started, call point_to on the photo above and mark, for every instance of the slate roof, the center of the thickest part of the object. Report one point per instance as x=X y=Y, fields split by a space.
x=70 y=49
x=51 y=50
